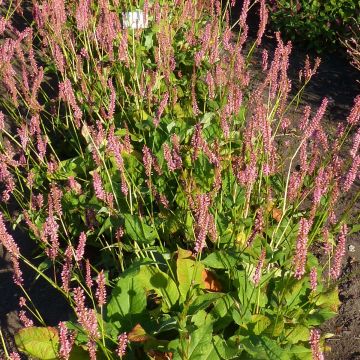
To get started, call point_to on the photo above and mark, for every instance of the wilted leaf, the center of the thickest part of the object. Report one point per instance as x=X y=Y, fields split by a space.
x=276 y=214
x=138 y=334
x=211 y=283
x=39 y=342
x=158 y=355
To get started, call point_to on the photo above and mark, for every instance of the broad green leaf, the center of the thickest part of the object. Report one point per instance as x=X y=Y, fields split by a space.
x=329 y=299
x=220 y=260
x=297 y=333
x=200 y=343
x=217 y=349
x=300 y=352
x=188 y=272
x=128 y=299
x=319 y=317
x=272 y=349
x=38 y=342
x=296 y=289
x=203 y=301
x=276 y=327
x=261 y=323
x=151 y=278
x=138 y=230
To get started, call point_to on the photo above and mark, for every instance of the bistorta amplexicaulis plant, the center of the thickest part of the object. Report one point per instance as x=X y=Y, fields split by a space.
x=152 y=171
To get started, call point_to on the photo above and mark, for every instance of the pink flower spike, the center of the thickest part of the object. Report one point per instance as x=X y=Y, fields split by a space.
x=88 y=278
x=339 y=253
x=301 y=248
x=66 y=341
x=315 y=345
x=313 y=278
x=260 y=264
x=15 y=356
x=122 y=344
x=81 y=247
x=101 y=290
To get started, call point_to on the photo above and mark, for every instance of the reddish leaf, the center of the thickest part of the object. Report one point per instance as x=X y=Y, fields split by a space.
x=210 y=281
x=138 y=334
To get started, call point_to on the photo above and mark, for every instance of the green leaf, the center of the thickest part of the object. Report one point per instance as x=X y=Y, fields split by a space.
x=200 y=343
x=151 y=278
x=300 y=352
x=261 y=323
x=188 y=272
x=319 y=317
x=39 y=342
x=138 y=230
x=127 y=301
x=329 y=299
x=297 y=333
x=272 y=349
x=203 y=301
x=79 y=353
x=220 y=260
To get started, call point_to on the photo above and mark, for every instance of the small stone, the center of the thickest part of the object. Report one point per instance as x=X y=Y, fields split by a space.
x=351 y=248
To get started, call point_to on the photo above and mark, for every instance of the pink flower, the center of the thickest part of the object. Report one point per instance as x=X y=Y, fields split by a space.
x=88 y=278
x=315 y=345
x=15 y=356
x=82 y=15
x=66 y=341
x=258 y=227
x=122 y=344
x=66 y=270
x=313 y=278
x=339 y=253
x=55 y=196
x=173 y=157
x=354 y=115
x=10 y=245
x=315 y=122
x=81 y=247
x=263 y=21
x=301 y=248
x=66 y=93
x=265 y=57
x=50 y=235
x=161 y=109
x=2 y=121
x=205 y=223
x=98 y=187
x=150 y=161
x=111 y=110
x=24 y=319
x=260 y=264
x=352 y=173
x=321 y=186
x=86 y=317
x=356 y=144
x=101 y=289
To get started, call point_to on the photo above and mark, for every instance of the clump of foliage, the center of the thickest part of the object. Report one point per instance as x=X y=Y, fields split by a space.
x=174 y=203
x=319 y=25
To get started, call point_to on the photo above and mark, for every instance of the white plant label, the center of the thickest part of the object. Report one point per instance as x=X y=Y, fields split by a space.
x=134 y=20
